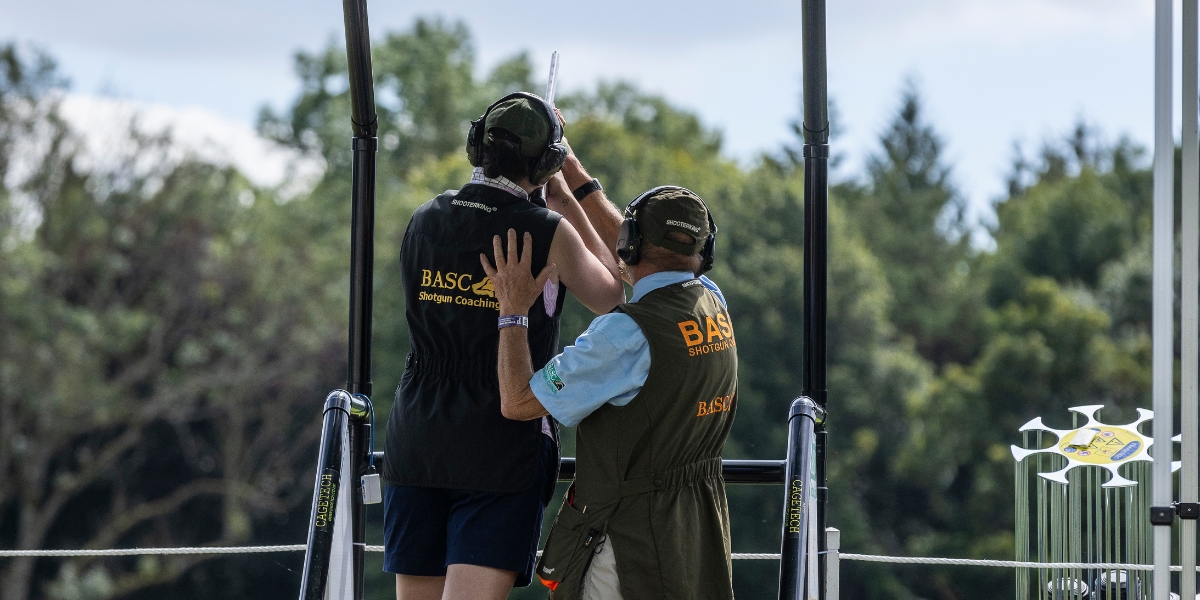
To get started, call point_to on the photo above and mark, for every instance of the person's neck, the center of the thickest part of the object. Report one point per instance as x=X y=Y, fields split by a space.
x=525 y=185
x=641 y=271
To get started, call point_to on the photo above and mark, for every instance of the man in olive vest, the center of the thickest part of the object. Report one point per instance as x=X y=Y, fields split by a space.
x=652 y=388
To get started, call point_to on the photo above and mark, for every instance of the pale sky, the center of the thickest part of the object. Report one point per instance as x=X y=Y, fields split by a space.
x=991 y=71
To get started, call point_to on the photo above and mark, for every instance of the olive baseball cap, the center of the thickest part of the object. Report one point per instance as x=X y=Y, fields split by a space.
x=674 y=209
x=521 y=118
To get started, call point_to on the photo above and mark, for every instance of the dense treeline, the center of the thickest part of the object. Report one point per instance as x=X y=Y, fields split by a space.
x=167 y=330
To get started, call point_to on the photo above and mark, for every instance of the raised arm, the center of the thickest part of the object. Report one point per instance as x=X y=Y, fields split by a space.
x=560 y=199
x=603 y=216
x=597 y=285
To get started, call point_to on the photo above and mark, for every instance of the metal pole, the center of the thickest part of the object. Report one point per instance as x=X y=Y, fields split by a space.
x=362 y=228
x=326 y=490
x=1190 y=288
x=816 y=234
x=795 y=576
x=816 y=200
x=1162 y=333
x=364 y=144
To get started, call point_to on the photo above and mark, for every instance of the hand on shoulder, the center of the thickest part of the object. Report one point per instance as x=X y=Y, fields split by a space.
x=513 y=283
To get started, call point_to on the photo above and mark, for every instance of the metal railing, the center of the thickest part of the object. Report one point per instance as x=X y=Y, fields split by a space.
x=733 y=470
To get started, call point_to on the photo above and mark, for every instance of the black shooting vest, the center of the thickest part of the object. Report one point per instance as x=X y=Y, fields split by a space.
x=445 y=429
x=648 y=474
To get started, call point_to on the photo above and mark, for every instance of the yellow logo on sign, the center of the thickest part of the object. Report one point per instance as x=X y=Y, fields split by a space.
x=484 y=288
x=1110 y=445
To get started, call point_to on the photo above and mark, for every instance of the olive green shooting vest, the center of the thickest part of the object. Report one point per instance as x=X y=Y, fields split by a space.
x=648 y=474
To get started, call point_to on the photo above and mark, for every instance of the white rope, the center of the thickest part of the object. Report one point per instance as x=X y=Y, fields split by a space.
x=911 y=560
x=144 y=551
x=237 y=550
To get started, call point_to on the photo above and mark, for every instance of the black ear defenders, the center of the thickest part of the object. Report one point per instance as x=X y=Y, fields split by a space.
x=542 y=166
x=629 y=239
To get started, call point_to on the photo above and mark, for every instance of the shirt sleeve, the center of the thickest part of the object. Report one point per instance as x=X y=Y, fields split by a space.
x=708 y=283
x=608 y=363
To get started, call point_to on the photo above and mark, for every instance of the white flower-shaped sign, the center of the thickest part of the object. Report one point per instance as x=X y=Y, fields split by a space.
x=1095 y=444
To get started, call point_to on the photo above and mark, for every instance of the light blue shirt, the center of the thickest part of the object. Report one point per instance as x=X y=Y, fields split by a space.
x=608 y=363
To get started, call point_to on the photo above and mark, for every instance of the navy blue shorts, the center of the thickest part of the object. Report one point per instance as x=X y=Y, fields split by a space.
x=426 y=529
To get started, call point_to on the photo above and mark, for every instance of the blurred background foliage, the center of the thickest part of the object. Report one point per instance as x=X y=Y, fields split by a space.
x=168 y=331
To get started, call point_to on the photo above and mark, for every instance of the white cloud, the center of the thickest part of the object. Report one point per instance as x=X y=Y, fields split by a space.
x=104 y=124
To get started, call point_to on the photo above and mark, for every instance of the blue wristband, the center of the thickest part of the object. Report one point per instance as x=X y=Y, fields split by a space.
x=513 y=321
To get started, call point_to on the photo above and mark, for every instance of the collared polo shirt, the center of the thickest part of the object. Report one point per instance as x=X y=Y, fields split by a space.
x=608 y=363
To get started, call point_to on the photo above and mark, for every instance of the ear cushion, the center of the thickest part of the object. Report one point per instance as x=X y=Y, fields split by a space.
x=709 y=251
x=549 y=163
x=475 y=142
x=629 y=241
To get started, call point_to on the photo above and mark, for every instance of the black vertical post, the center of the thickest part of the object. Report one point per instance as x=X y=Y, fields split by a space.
x=800 y=479
x=325 y=495
x=342 y=412
x=364 y=144
x=816 y=238
x=816 y=200
x=362 y=228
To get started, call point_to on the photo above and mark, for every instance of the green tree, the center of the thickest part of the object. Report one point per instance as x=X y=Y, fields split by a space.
x=912 y=219
x=163 y=351
x=871 y=373
x=1066 y=324
x=425 y=94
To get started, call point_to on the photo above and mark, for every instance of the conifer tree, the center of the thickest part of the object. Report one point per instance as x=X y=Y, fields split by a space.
x=912 y=218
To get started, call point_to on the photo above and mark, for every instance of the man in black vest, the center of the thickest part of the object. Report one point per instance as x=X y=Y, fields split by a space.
x=466 y=487
x=652 y=388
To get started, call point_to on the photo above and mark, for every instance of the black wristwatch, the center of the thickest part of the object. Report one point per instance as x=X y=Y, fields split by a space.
x=586 y=189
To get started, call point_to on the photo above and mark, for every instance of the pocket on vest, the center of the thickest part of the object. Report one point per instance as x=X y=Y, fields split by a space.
x=569 y=551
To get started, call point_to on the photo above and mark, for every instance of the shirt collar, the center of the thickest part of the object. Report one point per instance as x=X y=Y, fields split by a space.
x=500 y=183
x=657 y=280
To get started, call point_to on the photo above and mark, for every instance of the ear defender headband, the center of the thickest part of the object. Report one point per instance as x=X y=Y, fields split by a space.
x=629 y=240
x=540 y=167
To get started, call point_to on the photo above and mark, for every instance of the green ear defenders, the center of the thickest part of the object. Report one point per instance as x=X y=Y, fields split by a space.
x=629 y=239
x=541 y=167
